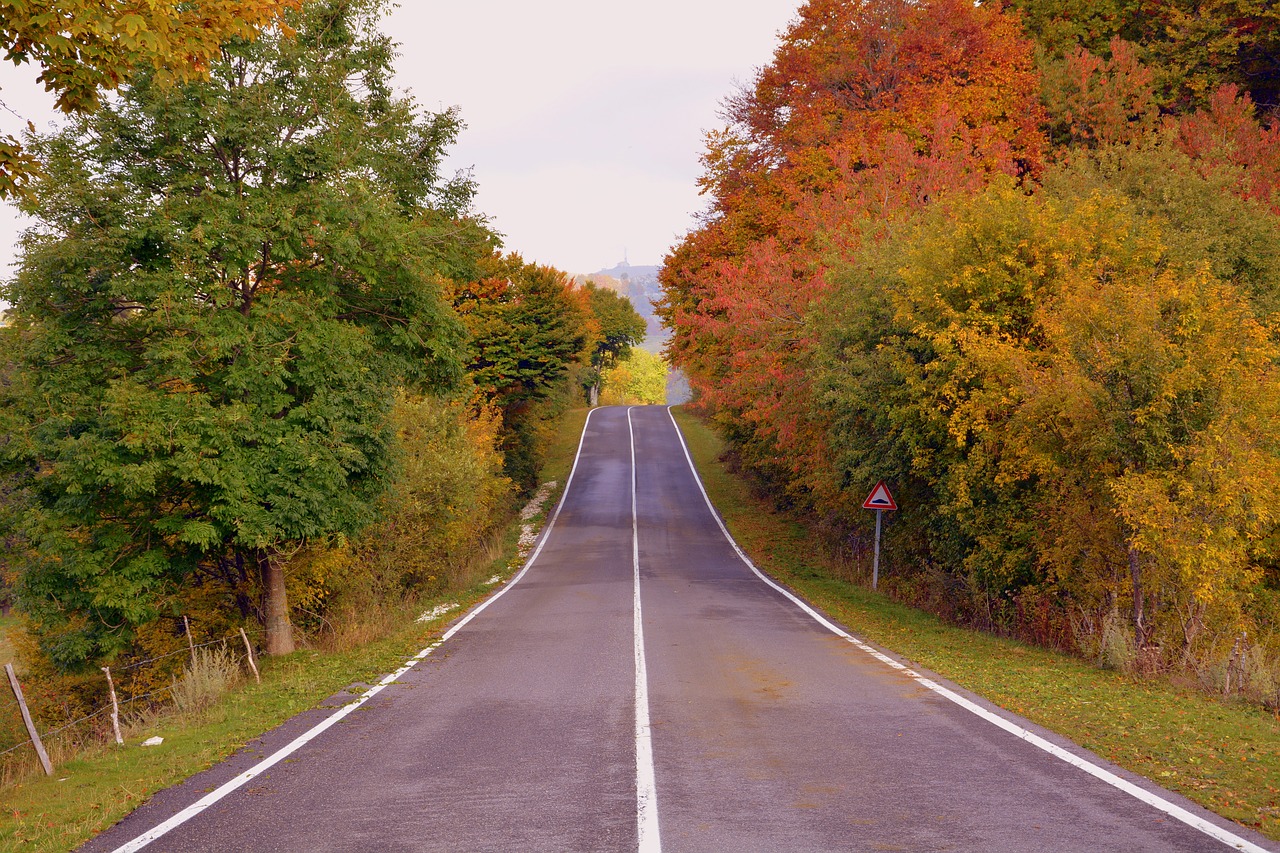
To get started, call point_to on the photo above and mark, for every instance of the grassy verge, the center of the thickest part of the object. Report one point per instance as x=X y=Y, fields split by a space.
x=7 y=624
x=1224 y=755
x=91 y=792
x=563 y=447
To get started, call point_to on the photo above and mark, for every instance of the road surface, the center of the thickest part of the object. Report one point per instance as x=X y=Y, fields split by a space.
x=640 y=687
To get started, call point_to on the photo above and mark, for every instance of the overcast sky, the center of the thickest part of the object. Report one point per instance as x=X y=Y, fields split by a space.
x=584 y=117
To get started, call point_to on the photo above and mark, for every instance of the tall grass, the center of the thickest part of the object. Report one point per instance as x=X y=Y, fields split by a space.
x=212 y=672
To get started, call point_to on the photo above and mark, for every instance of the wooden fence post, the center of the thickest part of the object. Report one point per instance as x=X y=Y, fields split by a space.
x=26 y=718
x=115 y=707
x=190 y=644
x=253 y=665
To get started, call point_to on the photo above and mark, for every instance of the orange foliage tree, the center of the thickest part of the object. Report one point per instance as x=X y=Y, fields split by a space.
x=84 y=48
x=870 y=109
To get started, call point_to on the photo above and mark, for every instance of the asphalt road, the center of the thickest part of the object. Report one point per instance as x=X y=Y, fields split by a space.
x=724 y=718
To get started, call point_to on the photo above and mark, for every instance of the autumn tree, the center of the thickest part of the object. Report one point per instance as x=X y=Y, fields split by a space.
x=1022 y=260
x=229 y=281
x=86 y=48
x=530 y=327
x=1206 y=219
x=620 y=328
x=640 y=379
x=1095 y=101
x=1194 y=47
x=1075 y=408
x=1227 y=134
x=868 y=111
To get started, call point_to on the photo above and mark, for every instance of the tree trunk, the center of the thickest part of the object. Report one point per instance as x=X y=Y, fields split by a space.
x=279 y=640
x=1139 y=617
x=595 y=395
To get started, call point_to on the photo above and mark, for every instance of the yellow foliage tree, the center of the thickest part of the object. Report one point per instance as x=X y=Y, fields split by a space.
x=640 y=379
x=85 y=47
x=1084 y=413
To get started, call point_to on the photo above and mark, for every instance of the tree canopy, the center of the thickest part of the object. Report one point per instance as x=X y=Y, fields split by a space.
x=85 y=48
x=229 y=280
x=534 y=334
x=621 y=328
x=870 y=110
x=1191 y=47
x=1019 y=259
x=640 y=379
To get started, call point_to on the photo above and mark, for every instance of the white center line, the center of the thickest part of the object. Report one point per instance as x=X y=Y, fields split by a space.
x=1151 y=798
x=646 y=784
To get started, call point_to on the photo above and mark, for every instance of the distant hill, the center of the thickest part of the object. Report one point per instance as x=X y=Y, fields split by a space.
x=640 y=285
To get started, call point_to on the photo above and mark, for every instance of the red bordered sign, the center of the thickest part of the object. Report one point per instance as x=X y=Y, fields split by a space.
x=880 y=498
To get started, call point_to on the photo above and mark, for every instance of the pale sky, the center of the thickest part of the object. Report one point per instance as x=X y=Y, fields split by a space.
x=584 y=117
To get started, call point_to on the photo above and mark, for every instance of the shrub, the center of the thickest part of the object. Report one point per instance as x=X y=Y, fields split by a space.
x=212 y=672
x=448 y=500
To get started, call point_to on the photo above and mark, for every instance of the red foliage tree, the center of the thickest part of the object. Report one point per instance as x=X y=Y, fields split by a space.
x=1228 y=134
x=870 y=110
x=1098 y=101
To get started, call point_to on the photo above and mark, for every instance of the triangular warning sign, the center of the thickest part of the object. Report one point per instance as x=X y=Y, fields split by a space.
x=879 y=498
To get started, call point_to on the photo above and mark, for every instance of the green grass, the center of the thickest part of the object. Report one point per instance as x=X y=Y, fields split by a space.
x=90 y=792
x=93 y=791
x=7 y=624
x=1224 y=755
x=563 y=446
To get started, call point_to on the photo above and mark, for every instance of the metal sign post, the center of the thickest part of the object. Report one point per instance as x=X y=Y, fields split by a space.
x=879 y=500
x=875 y=565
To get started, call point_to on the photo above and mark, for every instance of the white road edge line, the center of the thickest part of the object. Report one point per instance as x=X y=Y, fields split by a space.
x=650 y=840
x=320 y=728
x=1195 y=821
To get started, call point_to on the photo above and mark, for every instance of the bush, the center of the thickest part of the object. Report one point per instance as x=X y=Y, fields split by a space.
x=448 y=500
x=213 y=672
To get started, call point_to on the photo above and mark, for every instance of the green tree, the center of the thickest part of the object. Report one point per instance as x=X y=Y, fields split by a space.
x=530 y=328
x=228 y=283
x=620 y=328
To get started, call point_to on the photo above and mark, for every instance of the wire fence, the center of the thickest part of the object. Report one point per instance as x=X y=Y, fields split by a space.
x=123 y=704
